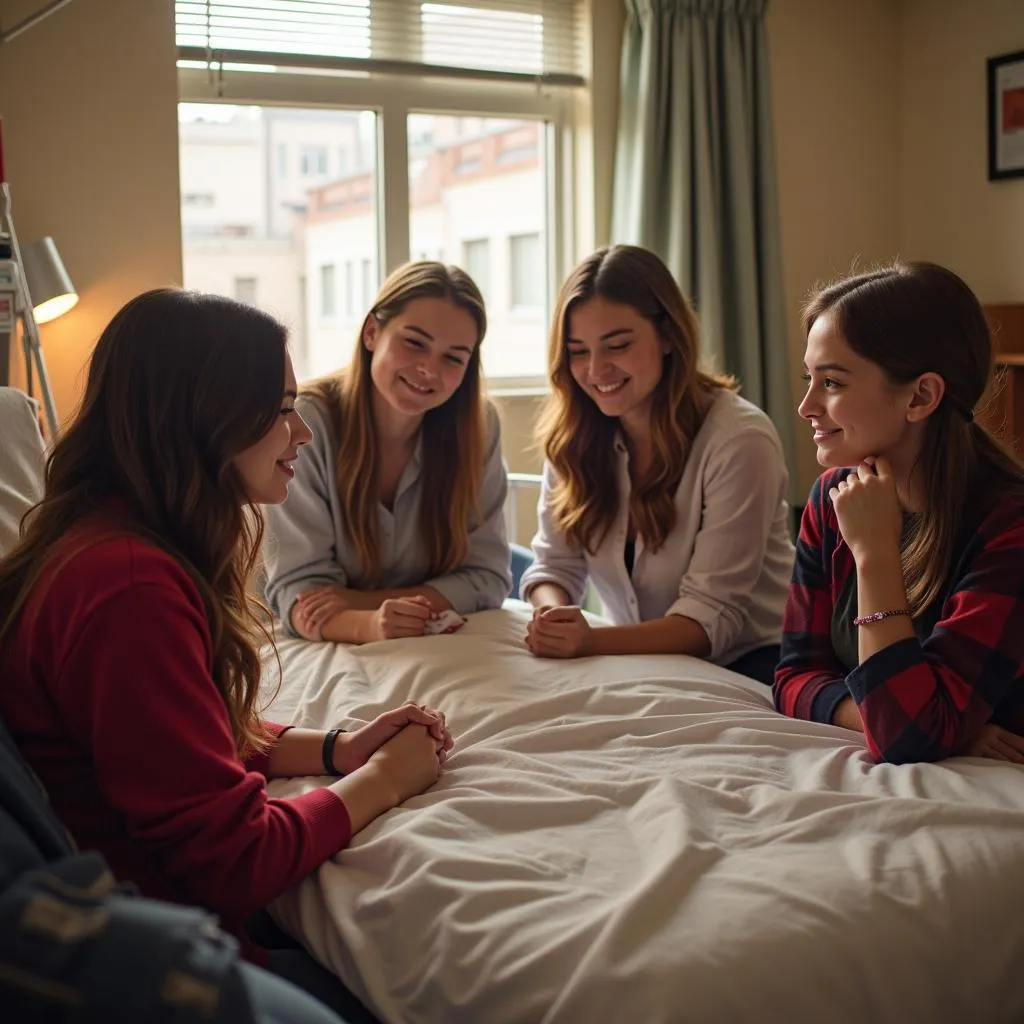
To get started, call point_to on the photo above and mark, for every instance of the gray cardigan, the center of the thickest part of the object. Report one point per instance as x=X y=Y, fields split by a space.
x=306 y=545
x=728 y=560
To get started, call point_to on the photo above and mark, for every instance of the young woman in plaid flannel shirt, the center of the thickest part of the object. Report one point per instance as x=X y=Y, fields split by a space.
x=905 y=617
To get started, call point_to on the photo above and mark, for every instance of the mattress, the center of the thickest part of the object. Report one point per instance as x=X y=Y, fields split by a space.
x=644 y=839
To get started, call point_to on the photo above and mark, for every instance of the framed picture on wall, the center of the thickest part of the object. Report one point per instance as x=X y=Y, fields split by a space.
x=1006 y=116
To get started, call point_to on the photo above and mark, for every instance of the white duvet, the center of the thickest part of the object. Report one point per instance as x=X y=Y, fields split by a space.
x=645 y=840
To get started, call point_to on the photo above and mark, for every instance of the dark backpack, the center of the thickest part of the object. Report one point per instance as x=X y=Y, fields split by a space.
x=76 y=946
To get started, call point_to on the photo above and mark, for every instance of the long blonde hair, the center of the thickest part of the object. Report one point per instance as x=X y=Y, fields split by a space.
x=915 y=318
x=178 y=384
x=579 y=440
x=453 y=434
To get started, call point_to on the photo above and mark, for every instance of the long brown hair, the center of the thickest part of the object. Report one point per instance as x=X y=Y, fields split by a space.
x=453 y=434
x=579 y=440
x=915 y=318
x=178 y=384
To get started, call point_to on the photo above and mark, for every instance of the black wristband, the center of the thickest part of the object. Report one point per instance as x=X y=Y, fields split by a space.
x=328 y=752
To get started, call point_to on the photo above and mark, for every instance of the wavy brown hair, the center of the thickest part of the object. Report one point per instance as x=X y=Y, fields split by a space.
x=178 y=384
x=915 y=318
x=579 y=440
x=454 y=434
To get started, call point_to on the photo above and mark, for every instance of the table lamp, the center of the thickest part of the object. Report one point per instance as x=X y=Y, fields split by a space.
x=51 y=289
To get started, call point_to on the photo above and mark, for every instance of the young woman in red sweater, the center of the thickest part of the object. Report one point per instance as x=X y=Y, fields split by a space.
x=129 y=646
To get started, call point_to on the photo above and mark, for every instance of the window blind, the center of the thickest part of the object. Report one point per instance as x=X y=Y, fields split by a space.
x=537 y=40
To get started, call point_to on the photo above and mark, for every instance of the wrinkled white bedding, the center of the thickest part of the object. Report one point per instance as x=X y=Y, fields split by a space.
x=645 y=840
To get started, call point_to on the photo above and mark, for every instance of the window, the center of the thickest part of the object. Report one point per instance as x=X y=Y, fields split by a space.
x=328 y=294
x=280 y=230
x=245 y=290
x=526 y=263
x=314 y=161
x=476 y=261
x=368 y=289
x=445 y=163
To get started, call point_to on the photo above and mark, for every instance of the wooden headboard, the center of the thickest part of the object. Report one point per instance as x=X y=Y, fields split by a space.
x=1002 y=409
x=1006 y=321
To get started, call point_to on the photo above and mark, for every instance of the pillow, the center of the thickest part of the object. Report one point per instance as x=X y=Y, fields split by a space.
x=22 y=460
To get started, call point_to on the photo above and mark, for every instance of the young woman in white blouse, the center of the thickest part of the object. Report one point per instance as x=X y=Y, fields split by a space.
x=396 y=510
x=661 y=485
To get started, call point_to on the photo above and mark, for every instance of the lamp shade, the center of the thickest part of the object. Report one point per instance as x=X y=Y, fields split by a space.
x=49 y=286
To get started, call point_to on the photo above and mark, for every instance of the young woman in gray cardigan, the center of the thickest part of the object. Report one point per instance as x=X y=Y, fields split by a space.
x=396 y=512
x=661 y=486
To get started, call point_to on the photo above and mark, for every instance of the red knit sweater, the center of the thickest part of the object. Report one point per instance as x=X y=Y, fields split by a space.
x=106 y=687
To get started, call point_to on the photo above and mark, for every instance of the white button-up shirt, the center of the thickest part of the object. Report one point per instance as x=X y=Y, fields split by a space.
x=728 y=560
x=307 y=546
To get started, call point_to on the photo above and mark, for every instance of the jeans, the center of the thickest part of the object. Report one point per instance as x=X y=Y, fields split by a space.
x=287 y=959
x=275 y=1001
x=758 y=664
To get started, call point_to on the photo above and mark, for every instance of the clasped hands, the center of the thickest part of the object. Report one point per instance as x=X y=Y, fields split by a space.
x=353 y=749
x=395 y=617
x=558 y=631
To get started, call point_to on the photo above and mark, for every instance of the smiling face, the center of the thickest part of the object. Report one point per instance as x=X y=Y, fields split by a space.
x=616 y=356
x=419 y=356
x=266 y=466
x=854 y=410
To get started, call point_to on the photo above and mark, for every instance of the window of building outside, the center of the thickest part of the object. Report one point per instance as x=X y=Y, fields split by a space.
x=526 y=288
x=314 y=161
x=328 y=292
x=245 y=290
x=476 y=261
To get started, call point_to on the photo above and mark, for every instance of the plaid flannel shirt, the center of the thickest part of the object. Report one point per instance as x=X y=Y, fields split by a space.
x=924 y=698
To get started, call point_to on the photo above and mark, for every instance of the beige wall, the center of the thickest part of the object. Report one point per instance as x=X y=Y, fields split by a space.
x=835 y=88
x=88 y=98
x=952 y=213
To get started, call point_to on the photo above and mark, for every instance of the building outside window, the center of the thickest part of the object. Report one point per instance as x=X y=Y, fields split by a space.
x=245 y=290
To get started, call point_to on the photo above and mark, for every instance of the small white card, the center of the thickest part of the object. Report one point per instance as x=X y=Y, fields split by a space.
x=447 y=622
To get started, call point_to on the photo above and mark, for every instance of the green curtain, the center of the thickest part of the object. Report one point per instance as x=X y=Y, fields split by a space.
x=695 y=181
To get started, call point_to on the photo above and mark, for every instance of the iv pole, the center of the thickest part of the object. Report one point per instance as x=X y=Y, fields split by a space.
x=23 y=312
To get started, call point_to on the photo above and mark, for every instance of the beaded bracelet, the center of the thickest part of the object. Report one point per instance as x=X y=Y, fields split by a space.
x=327 y=752
x=866 y=620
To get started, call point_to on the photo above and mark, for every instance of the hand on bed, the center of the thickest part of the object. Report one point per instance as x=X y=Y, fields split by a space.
x=558 y=631
x=402 y=616
x=996 y=743
x=353 y=749
x=410 y=762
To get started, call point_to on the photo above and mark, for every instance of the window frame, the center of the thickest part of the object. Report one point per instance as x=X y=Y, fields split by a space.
x=393 y=99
